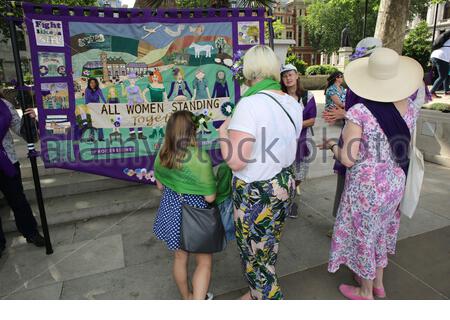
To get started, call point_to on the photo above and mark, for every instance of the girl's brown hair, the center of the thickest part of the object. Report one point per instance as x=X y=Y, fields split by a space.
x=180 y=134
x=299 y=92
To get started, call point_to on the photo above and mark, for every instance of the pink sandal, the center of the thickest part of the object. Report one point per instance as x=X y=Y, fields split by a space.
x=377 y=292
x=349 y=292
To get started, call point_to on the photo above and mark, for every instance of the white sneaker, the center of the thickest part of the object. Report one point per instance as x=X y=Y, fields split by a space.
x=209 y=296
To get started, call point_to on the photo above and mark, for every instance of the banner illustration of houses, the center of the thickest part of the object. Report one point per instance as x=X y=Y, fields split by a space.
x=124 y=72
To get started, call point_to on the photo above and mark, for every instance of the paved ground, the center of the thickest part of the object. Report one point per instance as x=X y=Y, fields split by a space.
x=117 y=257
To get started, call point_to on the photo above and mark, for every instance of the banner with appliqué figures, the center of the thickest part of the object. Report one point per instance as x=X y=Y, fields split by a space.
x=107 y=80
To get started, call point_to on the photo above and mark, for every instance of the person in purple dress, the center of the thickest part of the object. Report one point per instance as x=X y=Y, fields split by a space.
x=376 y=140
x=134 y=96
x=220 y=86
x=10 y=177
x=290 y=84
x=93 y=94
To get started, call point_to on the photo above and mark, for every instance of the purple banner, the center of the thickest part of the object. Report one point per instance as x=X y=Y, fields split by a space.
x=107 y=80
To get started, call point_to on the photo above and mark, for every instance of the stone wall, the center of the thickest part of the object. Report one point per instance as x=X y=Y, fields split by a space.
x=433 y=136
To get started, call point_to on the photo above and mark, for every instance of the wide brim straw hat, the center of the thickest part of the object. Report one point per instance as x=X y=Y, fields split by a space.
x=385 y=76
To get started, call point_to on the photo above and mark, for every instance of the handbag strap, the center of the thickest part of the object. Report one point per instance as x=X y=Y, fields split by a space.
x=289 y=116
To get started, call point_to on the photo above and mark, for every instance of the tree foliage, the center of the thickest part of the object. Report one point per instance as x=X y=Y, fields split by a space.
x=4 y=5
x=418 y=44
x=297 y=62
x=323 y=69
x=326 y=19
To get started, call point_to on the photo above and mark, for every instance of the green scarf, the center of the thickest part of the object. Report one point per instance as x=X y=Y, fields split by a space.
x=266 y=84
x=224 y=174
x=195 y=176
x=223 y=177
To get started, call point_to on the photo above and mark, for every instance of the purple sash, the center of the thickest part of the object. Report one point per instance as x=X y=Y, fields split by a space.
x=395 y=129
x=6 y=166
x=309 y=112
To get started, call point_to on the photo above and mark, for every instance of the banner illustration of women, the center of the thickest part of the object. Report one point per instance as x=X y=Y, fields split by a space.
x=126 y=76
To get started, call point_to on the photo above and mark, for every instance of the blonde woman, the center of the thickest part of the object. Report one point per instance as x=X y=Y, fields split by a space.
x=259 y=144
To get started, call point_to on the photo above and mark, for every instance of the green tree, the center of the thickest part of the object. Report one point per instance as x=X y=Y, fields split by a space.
x=4 y=5
x=418 y=44
x=325 y=20
x=297 y=62
x=199 y=3
x=278 y=28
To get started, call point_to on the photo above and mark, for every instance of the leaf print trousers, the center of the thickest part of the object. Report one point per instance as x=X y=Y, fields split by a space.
x=262 y=208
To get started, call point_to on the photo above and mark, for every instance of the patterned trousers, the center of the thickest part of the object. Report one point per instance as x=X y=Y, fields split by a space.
x=262 y=208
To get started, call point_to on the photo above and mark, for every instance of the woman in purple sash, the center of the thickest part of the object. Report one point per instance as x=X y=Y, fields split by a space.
x=10 y=177
x=290 y=84
x=375 y=143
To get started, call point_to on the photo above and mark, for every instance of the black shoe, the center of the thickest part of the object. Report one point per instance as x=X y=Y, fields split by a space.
x=37 y=240
x=293 y=213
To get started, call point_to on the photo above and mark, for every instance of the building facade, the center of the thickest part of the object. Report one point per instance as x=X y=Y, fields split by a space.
x=439 y=13
x=289 y=14
x=443 y=17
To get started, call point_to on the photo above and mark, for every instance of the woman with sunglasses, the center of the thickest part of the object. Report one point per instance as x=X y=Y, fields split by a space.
x=335 y=92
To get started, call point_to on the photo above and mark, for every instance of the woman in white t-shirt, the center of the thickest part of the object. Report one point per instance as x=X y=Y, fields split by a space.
x=441 y=58
x=259 y=144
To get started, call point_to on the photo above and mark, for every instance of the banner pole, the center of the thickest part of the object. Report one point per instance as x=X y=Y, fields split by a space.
x=32 y=154
x=270 y=25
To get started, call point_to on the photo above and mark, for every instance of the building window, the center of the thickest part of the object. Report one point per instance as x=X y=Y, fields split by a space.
x=288 y=34
x=447 y=11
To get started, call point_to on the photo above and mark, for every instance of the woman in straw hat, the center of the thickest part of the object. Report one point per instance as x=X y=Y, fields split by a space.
x=375 y=151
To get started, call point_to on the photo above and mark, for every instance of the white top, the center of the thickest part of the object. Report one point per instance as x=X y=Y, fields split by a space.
x=275 y=136
x=442 y=53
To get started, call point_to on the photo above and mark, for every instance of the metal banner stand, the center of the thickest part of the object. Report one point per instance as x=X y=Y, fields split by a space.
x=271 y=31
x=32 y=153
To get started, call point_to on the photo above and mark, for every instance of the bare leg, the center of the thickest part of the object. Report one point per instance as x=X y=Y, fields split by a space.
x=246 y=296
x=180 y=275
x=366 y=288
x=202 y=275
x=378 y=282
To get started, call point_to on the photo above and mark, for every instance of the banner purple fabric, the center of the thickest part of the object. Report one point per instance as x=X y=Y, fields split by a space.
x=135 y=56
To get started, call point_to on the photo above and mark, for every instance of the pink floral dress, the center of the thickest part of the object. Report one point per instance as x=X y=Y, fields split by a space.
x=368 y=219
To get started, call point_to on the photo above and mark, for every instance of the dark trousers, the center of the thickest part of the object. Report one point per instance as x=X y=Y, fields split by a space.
x=12 y=188
x=442 y=68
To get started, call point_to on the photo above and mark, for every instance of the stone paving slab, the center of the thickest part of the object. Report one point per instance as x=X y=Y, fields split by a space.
x=138 y=266
x=49 y=292
x=416 y=272
x=32 y=268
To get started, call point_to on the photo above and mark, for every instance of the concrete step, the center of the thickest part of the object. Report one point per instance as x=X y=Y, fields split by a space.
x=72 y=208
x=25 y=168
x=72 y=183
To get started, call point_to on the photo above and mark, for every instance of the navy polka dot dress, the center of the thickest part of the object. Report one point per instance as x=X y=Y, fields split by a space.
x=167 y=225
